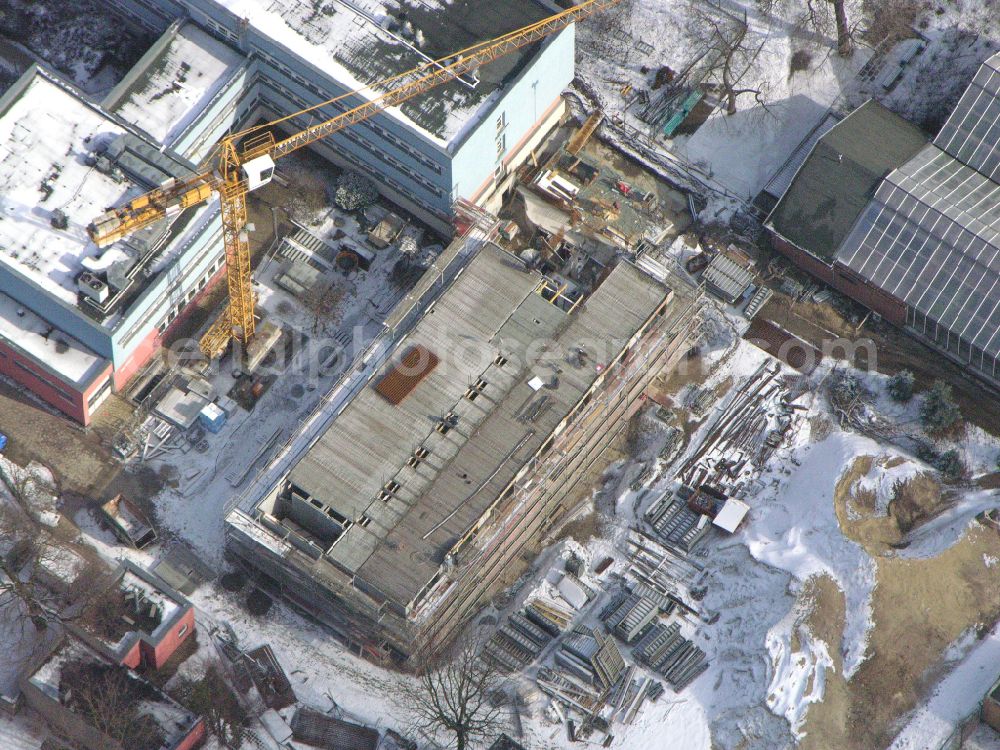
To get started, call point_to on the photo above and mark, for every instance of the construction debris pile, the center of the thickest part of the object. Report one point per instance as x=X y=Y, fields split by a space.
x=599 y=651
x=742 y=435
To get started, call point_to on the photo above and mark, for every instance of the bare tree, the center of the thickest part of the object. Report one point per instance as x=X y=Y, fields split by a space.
x=213 y=698
x=22 y=542
x=32 y=492
x=111 y=699
x=27 y=604
x=308 y=199
x=818 y=13
x=730 y=54
x=455 y=698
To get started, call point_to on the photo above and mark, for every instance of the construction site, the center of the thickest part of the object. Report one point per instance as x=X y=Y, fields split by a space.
x=340 y=340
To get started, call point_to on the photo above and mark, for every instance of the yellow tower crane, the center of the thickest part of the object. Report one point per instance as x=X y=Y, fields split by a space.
x=246 y=160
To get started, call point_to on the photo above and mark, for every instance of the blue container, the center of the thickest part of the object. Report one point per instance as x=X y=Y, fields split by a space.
x=212 y=418
x=3 y=441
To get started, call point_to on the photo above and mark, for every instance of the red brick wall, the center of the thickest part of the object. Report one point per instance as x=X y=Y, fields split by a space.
x=151 y=343
x=75 y=406
x=844 y=281
x=134 y=656
x=156 y=657
x=196 y=735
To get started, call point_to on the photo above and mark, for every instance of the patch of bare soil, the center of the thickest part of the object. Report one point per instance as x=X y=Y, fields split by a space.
x=78 y=461
x=920 y=607
x=989 y=481
x=914 y=502
x=825 y=615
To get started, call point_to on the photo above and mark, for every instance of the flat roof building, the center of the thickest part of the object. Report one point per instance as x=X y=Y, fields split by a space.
x=461 y=140
x=77 y=321
x=414 y=503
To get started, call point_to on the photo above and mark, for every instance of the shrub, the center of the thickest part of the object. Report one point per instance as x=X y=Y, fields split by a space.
x=900 y=386
x=950 y=465
x=939 y=412
x=801 y=60
x=354 y=192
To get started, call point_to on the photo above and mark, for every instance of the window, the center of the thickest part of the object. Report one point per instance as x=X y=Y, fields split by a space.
x=474 y=390
x=364 y=521
x=447 y=422
x=501 y=145
x=500 y=360
x=183 y=629
x=501 y=121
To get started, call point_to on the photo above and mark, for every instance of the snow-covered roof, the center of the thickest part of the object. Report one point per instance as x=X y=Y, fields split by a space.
x=361 y=42
x=46 y=134
x=731 y=515
x=50 y=347
x=172 y=84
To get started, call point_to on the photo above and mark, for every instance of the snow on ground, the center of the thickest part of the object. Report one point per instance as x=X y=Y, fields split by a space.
x=737 y=152
x=798 y=678
x=955 y=698
x=766 y=668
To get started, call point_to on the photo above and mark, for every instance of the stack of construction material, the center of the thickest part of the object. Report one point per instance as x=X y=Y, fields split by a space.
x=698 y=400
x=518 y=641
x=631 y=616
x=675 y=524
x=548 y=615
x=665 y=650
x=675 y=438
x=576 y=654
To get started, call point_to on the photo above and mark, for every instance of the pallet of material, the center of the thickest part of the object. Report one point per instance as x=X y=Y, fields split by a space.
x=500 y=657
x=528 y=629
x=548 y=615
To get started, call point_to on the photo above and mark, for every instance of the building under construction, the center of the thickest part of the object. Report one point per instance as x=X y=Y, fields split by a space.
x=421 y=495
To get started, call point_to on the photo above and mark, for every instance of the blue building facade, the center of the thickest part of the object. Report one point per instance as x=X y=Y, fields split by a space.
x=262 y=80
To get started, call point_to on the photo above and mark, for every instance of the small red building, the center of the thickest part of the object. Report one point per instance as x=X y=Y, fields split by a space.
x=138 y=620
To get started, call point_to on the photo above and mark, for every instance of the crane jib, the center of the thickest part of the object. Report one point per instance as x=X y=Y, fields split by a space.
x=238 y=172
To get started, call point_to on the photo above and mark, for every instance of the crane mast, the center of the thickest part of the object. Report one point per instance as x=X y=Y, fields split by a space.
x=241 y=169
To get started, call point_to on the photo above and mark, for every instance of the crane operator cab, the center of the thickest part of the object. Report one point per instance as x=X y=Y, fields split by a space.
x=258 y=171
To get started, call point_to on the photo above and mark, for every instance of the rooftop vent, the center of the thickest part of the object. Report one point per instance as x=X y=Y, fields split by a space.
x=92 y=286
